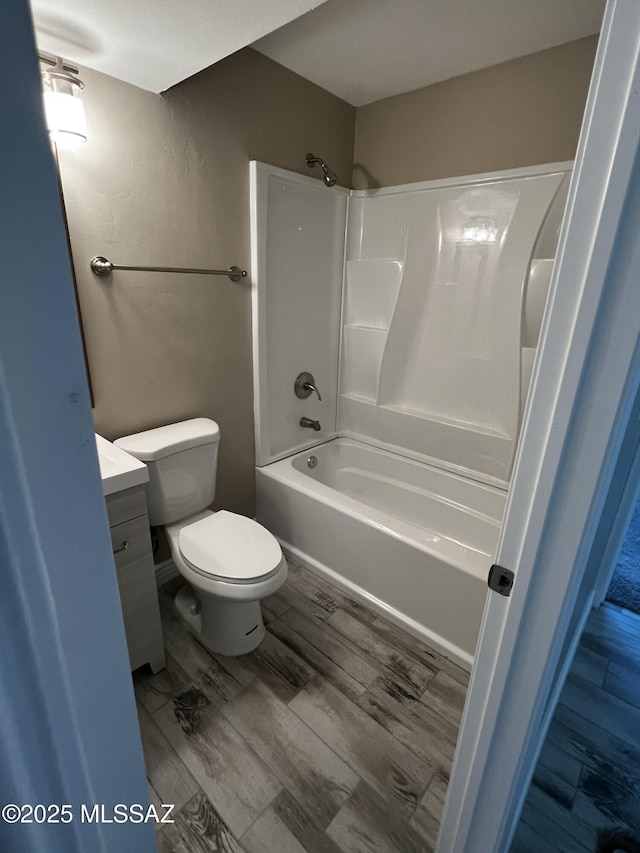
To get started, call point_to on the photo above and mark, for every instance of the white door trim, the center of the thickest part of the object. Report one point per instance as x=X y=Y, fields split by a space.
x=69 y=732
x=583 y=386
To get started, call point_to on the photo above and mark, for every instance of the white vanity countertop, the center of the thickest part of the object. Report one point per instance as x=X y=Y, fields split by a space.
x=119 y=470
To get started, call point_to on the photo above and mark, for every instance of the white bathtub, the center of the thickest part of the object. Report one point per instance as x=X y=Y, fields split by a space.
x=413 y=542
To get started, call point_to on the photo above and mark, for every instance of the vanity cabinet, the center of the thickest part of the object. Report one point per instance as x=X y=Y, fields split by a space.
x=131 y=542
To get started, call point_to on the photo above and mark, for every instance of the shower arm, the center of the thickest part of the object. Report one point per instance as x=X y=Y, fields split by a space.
x=329 y=176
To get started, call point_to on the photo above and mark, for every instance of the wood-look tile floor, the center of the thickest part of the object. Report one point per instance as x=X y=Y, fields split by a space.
x=336 y=734
x=588 y=774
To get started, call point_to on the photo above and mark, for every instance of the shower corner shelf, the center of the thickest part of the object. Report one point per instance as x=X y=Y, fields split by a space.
x=360 y=398
x=366 y=326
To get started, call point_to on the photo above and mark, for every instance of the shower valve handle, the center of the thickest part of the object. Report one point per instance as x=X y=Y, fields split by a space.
x=305 y=385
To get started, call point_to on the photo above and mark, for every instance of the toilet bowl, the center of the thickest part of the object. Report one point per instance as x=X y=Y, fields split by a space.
x=229 y=562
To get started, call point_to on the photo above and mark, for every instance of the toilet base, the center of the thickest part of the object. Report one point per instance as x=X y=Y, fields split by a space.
x=229 y=628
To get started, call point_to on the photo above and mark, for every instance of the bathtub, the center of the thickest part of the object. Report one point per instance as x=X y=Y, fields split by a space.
x=411 y=541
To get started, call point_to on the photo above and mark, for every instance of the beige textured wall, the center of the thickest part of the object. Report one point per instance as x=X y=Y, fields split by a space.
x=519 y=113
x=164 y=180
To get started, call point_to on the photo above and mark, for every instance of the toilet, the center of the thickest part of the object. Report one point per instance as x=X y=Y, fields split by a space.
x=229 y=562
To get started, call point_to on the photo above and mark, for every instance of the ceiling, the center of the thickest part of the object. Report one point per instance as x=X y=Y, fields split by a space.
x=155 y=44
x=361 y=50
x=365 y=50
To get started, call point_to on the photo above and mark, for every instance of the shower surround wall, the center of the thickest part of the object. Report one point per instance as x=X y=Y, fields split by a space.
x=437 y=278
x=298 y=245
x=443 y=291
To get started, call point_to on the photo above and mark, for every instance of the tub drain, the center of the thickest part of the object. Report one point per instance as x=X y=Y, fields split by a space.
x=312 y=462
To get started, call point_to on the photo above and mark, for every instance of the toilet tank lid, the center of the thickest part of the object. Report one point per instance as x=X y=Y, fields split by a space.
x=162 y=441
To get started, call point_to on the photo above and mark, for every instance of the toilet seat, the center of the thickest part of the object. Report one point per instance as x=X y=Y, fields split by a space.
x=230 y=547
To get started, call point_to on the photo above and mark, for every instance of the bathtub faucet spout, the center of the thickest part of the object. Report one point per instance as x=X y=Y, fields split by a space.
x=310 y=424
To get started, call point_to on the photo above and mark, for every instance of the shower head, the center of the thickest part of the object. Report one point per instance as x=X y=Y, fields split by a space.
x=329 y=176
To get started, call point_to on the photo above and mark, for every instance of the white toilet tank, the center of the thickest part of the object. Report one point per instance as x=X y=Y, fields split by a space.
x=182 y=460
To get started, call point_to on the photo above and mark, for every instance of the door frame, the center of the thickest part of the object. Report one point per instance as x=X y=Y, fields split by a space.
x=584 y=384
x=69 y=733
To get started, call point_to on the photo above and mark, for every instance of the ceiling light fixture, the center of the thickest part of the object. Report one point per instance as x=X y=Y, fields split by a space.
x=64 y=111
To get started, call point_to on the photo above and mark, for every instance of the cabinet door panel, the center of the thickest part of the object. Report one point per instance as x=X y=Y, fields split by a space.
x=138 y=593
